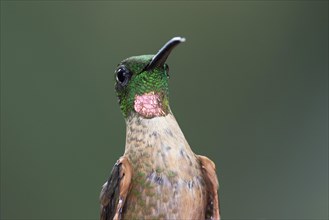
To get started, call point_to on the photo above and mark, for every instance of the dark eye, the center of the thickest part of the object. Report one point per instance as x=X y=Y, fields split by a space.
x=166 y=67
x=122 y=75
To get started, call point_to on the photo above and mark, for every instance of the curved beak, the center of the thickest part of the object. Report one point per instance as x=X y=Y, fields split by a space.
x=160 y=58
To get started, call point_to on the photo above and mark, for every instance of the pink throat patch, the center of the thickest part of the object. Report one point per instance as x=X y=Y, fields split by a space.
x=149 y=105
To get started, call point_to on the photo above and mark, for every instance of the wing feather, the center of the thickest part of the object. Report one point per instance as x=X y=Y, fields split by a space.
x=210 y=177
x=115 y=190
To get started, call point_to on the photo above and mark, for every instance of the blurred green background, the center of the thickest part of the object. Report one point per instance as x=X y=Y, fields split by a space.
x=249 y=89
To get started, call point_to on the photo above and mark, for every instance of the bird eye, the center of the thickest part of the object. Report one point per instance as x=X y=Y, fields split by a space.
x=122 y=75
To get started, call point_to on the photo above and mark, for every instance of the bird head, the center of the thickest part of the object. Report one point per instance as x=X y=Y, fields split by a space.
x=142 y=83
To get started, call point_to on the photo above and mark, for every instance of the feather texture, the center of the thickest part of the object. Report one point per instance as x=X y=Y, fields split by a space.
x=115 y=190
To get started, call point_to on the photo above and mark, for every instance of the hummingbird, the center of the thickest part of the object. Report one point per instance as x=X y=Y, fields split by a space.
x=158 y=176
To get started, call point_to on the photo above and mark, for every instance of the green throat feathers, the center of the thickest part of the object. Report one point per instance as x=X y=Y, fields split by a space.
x=132 y=81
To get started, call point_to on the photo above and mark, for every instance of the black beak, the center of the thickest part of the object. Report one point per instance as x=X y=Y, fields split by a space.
x=160 y=58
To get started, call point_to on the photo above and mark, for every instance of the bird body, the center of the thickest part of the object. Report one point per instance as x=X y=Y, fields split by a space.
x=170 y=186
x=159 y=176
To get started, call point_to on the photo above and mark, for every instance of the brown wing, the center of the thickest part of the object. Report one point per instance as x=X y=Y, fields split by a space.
x=115 y=190
x=210 y=177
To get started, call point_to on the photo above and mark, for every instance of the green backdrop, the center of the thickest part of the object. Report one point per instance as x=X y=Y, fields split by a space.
x=249 y=89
